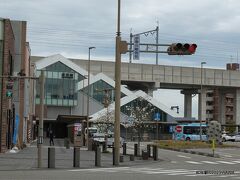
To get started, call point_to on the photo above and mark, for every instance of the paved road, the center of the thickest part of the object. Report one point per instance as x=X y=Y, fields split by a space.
x=172 y=165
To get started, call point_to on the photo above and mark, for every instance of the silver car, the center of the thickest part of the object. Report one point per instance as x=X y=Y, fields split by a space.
x=110 y=140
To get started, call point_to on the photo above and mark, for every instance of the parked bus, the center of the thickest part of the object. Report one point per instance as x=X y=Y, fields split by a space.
x=190 y=132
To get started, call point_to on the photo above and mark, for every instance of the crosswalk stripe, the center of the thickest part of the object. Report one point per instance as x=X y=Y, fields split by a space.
x=231 y=175
x=226 y=162
x=171 y=172
x=187 y=157
x=182 y=173
x=236 y=161
x=163 y=171
x=193 y=162
x=209 y=162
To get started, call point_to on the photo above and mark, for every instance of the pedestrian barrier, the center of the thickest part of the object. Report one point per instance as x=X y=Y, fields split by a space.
x=51 y=157
x=149 y=150
x=121 y=159
x=124 y=148
x=155 y=152
x=135 y=149
x=144 y=155
x=76 y=157
x=131 y=157
x=98 y=156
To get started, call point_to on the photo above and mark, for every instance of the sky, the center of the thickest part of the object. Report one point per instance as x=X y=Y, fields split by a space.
x=69 y=27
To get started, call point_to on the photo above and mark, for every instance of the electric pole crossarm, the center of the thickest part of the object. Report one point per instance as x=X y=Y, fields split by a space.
x=145 y=32
x=147 y=44
x=152 y=51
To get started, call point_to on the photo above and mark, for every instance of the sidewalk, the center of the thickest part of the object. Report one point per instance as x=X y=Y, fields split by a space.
x=26 y=158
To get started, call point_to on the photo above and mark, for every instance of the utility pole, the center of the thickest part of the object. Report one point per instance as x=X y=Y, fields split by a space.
x=40 y=130
x=121 y=48
x=117 y=91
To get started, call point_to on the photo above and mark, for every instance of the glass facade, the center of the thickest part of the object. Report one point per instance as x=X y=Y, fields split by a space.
x=101 y=91
x=162 y=116
x=60 y=85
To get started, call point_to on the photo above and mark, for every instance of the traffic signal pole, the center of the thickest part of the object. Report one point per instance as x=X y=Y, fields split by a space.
x=40 y=130
x=117 y=91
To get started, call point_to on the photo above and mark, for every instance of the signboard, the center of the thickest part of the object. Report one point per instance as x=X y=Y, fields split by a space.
x=157 y=117
x=178 y=129
x=136 y=47
x=15 y=133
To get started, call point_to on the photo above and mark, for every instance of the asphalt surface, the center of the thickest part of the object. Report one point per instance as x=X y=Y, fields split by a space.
x=172 y=165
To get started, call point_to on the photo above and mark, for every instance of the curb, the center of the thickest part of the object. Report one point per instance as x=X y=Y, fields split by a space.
x=194 y=152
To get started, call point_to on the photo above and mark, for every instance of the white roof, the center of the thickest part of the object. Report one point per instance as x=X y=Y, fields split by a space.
x=47 y=61
x=108 y=80
x=132 y=97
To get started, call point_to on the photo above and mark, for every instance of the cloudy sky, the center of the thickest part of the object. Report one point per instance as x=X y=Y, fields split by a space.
x=69 y=27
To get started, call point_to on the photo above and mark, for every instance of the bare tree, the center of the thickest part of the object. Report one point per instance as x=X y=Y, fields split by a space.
x=140 y=113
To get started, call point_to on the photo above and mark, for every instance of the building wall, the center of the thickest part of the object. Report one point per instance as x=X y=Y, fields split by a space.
x=5 y=103
x=20 y=65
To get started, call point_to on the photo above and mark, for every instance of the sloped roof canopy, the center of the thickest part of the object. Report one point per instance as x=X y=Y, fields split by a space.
x=45 y=62
x=134 y=96
x=106 y=79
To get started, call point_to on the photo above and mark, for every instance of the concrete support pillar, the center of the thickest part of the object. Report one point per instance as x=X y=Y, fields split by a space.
x=237 y=107
x=202 y=105
x=150 y=92
x=222 y=108
x=188 y=105
x=188 y=102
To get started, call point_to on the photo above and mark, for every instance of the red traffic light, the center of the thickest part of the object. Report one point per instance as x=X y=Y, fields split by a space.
x=181 y=49
x=192 y=48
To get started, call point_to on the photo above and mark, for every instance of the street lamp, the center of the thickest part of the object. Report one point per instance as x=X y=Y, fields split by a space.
x=201 y=105
x=89 y=53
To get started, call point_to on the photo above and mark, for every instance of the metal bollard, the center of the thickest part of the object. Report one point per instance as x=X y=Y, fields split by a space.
x=121 y=159
x=124 y=148
x=155 y=152
x=51 y=157
x=135 y=149
x=98 y=156
x=113 y=154
x=131 y=157
x=144 y=155
x=76 y=157
x=149 y=150
x=104 y=147
x=67 y=143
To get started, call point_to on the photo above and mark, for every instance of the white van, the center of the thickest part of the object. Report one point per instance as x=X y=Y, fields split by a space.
x=91 y=131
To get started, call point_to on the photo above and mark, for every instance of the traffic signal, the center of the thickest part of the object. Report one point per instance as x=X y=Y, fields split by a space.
x=9 y=94
x=181 y=49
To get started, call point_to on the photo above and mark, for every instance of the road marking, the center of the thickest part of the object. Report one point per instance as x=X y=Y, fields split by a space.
x=148 y=170
x=231 y=175
x=184 y=156
x=100 y=169
x=174 y=162
x=209 y=162
x=225 y=155
x=193 y=162
x=226 y=162
x=182 y=173
x=173 y=171
x=236 y=161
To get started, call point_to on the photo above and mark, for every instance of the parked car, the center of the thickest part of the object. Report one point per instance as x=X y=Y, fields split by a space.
x=237 y=137
x=99 y=138
x=228 y=137
x=110 y=140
